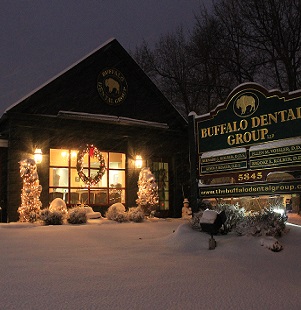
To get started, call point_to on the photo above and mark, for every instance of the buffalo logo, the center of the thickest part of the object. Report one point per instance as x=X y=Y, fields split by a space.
x=245 y=105
x=112 y=86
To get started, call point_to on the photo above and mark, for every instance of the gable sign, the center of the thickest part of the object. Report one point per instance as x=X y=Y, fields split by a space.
x=251 y=115
x=112 y=86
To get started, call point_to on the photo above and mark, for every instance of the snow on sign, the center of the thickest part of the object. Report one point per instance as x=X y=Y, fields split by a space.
x=255 y=132
x=250 y=115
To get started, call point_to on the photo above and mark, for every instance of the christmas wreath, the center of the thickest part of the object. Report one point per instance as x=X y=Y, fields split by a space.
x=93 y=152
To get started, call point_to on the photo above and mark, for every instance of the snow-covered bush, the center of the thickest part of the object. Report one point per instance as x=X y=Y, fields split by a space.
x=116 y=212
x=121 y=217
x=233 y=212
x=52 y=217
x=234 y=215
x=77 y=215
x=195 y=220
x=265 y=222
x=251 y=204
x=59 y=205
x=135 y=214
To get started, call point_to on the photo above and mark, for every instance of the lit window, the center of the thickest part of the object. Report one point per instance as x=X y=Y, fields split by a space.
x=65 y=183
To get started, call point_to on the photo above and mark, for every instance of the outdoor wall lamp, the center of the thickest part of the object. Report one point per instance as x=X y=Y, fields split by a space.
x=138 y=162
x=38 y=156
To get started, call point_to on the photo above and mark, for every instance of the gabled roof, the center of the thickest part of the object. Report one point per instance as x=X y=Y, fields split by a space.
x=75 y=90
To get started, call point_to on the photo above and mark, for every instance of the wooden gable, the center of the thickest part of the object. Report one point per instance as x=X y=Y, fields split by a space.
x=77 y=90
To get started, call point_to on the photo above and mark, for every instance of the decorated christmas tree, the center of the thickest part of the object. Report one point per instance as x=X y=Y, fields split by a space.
x=30 y=193
x=148 y=198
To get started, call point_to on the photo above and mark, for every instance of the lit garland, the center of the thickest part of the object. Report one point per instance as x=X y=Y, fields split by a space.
x=93 y=152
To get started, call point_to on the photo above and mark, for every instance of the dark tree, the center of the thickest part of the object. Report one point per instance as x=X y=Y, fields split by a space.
x=238 y=41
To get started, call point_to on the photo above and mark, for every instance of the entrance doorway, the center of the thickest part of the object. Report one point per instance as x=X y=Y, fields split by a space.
x=160 y=169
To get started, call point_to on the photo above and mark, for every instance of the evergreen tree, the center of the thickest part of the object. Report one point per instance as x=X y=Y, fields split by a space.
x=30 y=194
x=148 y=198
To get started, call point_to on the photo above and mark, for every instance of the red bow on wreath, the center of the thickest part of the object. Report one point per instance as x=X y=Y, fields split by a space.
x=91 y=151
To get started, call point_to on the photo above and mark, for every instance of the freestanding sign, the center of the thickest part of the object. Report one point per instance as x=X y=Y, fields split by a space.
x=252 y=134
x=250 y=116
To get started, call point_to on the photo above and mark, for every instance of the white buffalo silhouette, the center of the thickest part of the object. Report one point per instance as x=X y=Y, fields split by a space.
x=244 y=102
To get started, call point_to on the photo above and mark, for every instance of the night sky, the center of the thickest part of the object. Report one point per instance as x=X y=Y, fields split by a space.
x=41 y=38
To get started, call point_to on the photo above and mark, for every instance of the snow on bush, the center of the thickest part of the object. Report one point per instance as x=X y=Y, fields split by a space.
x=234 y=215
x=135 y=214
x=116 y=212
x=195 y=220
x=77 y=215
x=233 y=212
x=52 y=217
x=59 y=205
x=121 y=217
x=265 y=222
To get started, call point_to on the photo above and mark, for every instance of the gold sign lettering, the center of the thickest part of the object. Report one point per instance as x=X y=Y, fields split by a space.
x=248 y=136
x=241 y=132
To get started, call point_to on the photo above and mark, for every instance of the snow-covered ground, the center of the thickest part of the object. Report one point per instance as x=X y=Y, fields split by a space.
x=159 y=264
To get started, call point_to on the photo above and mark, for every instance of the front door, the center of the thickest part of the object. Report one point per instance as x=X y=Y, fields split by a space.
x=160 y=169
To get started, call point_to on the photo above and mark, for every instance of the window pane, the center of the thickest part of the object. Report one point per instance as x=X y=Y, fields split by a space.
x=58 y=177
x=101 y=196
x=73 y=157
x=56 y=194
x=102 y=182
x=86 y=160
x=75 y=180
x=59 y=157
x=94 y=163
x=122 y=196
x=86 y=196
x=117 y=160
x=73 y=197
x=116 y=195
x=117 y=178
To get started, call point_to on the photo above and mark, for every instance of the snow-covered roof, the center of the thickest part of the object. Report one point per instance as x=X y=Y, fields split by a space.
x=111 y=119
